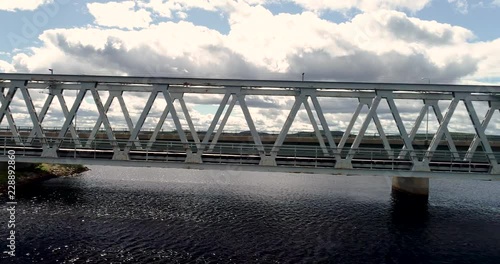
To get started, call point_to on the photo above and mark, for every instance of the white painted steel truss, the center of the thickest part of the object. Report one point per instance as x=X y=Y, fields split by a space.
x=234 y=92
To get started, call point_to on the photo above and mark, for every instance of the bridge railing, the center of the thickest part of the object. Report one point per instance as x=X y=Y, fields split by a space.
x=250 y=154
x=291 y=133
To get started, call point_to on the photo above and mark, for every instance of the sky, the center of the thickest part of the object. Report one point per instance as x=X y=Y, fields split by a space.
x=438 y=41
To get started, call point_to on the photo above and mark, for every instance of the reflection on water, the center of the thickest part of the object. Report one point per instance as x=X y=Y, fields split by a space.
x=137 y=215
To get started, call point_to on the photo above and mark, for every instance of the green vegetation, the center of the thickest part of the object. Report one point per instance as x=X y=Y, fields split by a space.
x=59 y=170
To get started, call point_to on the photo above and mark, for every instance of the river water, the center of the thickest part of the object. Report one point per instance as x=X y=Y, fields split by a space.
x=149 y=215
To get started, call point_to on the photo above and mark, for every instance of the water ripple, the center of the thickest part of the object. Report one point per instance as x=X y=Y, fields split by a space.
x=132 y=215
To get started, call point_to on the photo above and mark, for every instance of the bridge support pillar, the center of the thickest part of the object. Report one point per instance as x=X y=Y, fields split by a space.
x=268 y=161
x=194 y=158
x=49 y=152
x=120 y=155
x=343 y=164
x=495 y=169
x=410 y=189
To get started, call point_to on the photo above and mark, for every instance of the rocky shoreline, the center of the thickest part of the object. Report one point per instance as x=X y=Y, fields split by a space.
x=34 y=173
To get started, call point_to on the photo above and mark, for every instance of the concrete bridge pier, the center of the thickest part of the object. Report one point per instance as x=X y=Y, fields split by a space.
x=410 y=192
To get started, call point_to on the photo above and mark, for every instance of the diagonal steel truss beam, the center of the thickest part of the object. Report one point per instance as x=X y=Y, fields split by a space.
x=235 y=94
x=443 y=126
x=142 y=118
x=381 y=132
x=326 y=128
x=349 y=128
x=288 y=123
x=104 y=116
x=43 y=112
x=187 y=116
x=72 y=113
x=37 y=126
x=107 y=105
x=408 y=144
x=212 y=126
x=480 y=132
x=415 y=128
x=315 y=127
x=493 y=106
x=223 y=123
x=175 y=117
x=359 y=137
x=447 y=135
x=251 y=125
x=72 y=129
x=10 y=119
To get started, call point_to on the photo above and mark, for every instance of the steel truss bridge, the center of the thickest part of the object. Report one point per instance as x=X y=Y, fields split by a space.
x=190 y=148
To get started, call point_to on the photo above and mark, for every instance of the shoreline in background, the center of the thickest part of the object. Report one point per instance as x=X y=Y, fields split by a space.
x=38 y=172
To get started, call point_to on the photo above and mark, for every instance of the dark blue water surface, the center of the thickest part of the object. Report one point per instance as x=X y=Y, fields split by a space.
x=146 y=215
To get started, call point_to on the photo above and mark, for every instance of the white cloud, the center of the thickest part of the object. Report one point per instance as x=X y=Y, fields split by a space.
x=6 y=67
x=119 y=14
x=364 y=5
x=13 y=5
x=461 y=6
x=496 y=2
x=381 y=45
x=182 y=15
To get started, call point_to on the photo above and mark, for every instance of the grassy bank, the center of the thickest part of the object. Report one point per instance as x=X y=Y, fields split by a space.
x=40 y=172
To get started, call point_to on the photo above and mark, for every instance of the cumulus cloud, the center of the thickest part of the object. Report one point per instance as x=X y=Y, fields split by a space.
x=11 y=5
x=119 y=14
x=382 y=45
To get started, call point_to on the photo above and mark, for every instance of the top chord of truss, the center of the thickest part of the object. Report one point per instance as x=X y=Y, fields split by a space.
x=245 y=83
